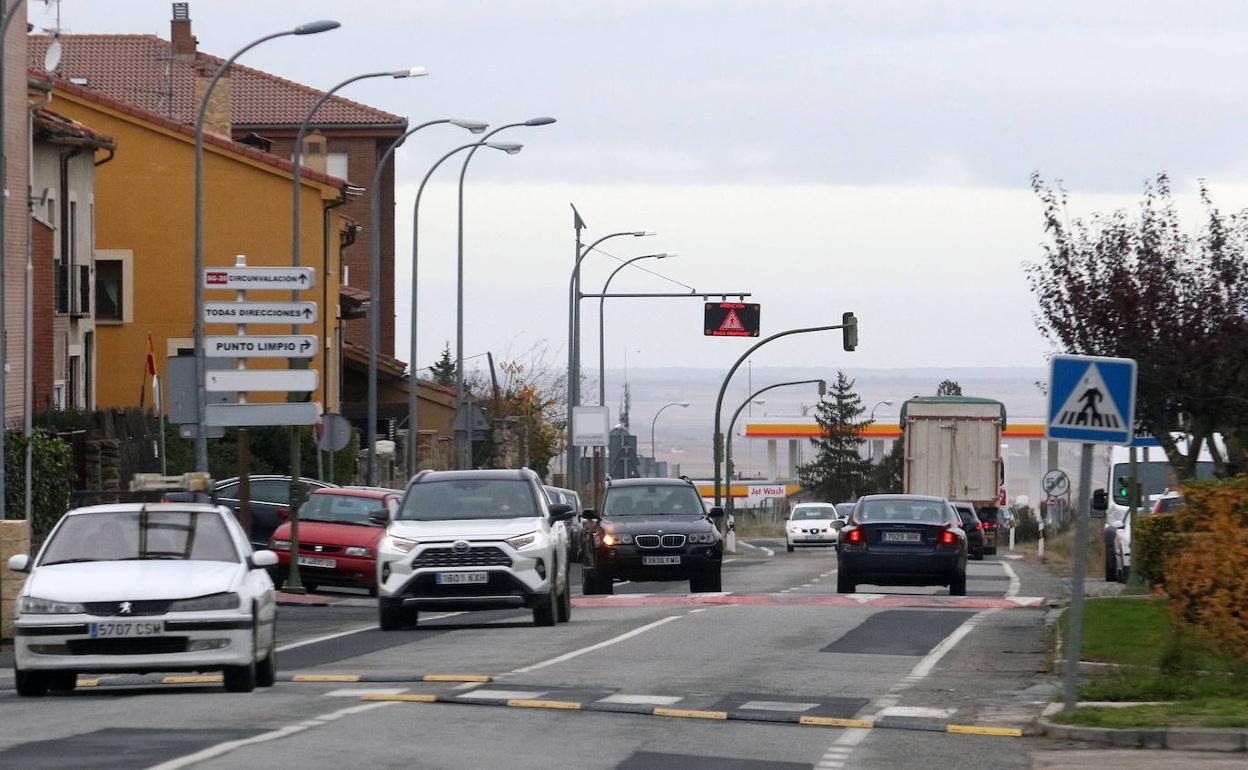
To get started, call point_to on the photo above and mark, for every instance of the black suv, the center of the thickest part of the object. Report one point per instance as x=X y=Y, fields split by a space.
x=651 y=529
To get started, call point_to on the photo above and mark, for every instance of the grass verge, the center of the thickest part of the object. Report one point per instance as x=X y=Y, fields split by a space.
x=1202 y=712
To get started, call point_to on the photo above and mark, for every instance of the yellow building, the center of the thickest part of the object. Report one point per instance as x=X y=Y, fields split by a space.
x=144 y=237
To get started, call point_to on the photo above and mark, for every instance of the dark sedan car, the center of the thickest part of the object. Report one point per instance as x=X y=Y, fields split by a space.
x=651 y=529
x=909 y=540
x=973 y=527
x=270 y=501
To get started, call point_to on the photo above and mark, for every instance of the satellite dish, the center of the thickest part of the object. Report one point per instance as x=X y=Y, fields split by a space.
x=52 y=59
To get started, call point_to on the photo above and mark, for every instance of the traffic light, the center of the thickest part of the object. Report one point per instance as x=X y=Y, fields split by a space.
x=849 y=328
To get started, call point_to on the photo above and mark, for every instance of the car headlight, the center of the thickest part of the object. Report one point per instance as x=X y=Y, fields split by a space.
x=33 y=605
x=526 y=540
x=280 y=545
x=225 y=601
x=702 y=538
x=400 y=544
x=611 y=539
x=356 y=550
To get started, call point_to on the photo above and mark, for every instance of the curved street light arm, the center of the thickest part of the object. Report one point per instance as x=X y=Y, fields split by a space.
x=732 y=423
x=602 y=343
x=655 y=422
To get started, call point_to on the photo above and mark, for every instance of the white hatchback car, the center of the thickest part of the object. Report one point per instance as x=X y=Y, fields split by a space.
x=812 y=524
x=140 y=588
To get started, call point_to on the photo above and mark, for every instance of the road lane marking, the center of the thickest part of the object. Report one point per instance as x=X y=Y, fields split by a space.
x=469 y=678
x=220 y=749
x=642 y=700
x=407 y=697
x=350 y=631
x=503 y=695
x=775 y=705
x=921 y=712
x=526 y=703
x=582 y=651
x=1009 y=732
x=661 y=711
x=362 y=692
x=326 y=678
x=1014 y=581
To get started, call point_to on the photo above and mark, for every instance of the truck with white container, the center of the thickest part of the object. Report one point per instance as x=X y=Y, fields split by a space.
x=953 y=450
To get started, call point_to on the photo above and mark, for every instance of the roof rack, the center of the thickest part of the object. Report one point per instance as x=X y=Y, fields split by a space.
x=195 y=481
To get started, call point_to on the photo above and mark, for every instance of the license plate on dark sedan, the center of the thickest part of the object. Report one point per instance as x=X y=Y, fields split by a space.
x=902 y=537
x=657 y=561
x=461 y=578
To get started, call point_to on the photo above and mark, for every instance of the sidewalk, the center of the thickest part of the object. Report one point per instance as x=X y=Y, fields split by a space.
x=1132 y=759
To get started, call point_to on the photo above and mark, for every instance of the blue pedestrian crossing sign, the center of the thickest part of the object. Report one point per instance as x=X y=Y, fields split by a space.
x=1091 y=400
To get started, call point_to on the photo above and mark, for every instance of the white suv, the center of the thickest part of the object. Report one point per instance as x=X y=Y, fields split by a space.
x=474 y=540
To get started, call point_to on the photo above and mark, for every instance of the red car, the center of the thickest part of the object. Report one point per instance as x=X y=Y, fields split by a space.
x=337 y=537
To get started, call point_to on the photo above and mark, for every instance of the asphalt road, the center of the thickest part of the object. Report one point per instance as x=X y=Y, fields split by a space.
x=778 y=646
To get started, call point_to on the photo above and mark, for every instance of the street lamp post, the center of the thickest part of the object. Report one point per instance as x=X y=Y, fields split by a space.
x=374 y=288
x=656 y=419
x=413 y=390
x=851 y=322
x=602 y=302
x=463 y=442
x=871 y=446
x=201 y=405
x=574 y=335
x=823 y=388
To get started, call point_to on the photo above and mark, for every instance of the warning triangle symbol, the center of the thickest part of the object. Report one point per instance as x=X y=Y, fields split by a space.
x=1090 y=404
x=732 y=323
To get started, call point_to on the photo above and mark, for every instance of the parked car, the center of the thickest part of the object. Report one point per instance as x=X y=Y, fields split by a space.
x=145 y=587
x=911 y=540
x=474 y=540
x=338 y=535
x=651 y=529
x=973 y=527
x=811 y=524
x=270 y=501
x=573 y=525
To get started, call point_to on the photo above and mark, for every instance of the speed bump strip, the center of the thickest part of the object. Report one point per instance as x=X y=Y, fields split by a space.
x=457 y=678
x=834 y=722
x=1009 y=732
x=660 y=711
x=526 y=703
x=88 y=683
x=325 y=678
x=193 y=679
x=410 y=697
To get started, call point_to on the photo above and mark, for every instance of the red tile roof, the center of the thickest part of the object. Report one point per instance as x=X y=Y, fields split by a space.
x=386 y=365
x=141 y=70
x=237 y=148
x=55 y=128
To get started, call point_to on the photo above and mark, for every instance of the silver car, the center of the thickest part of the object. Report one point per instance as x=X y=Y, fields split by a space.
x=812 y=524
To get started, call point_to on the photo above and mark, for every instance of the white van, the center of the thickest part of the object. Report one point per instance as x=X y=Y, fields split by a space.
x=1155 y=475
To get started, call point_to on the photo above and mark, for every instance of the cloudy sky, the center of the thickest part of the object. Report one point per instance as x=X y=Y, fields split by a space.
x=825 y=156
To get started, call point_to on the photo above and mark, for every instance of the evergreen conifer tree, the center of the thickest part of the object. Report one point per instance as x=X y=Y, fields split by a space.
x=443 y=371
x=839 y=472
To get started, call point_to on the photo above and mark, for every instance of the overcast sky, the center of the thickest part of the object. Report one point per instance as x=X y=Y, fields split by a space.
x=826 y=156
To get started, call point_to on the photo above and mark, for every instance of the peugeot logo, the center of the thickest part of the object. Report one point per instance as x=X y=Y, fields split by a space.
x=461 y=546
x=124 y=609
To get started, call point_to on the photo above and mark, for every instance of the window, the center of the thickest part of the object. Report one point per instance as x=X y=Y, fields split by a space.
x=336 y=164
x=130 y=535
x=469 y=499
x=109 y=290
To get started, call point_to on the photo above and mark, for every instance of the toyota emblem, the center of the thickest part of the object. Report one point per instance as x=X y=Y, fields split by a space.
x=461 y=546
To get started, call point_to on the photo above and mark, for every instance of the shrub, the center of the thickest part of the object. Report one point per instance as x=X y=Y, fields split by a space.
x=1207 y=574
x=52 y=471
x=1153 y=540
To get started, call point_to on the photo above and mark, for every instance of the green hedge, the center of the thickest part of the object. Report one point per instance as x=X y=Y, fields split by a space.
x=53 y=472
x=1153 y=540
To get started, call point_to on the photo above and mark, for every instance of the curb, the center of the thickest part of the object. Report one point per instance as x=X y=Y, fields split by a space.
x=750 y=546
x=793 y=718
x=1192 y=739
x=139 y=680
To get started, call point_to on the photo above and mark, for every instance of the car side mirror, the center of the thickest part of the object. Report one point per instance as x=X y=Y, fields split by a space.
x=838 y=524
x=561 y=512
x=717 y=512
x=19 y=562
x=589 y=514
x=263 y=559
x=380 y=517
x=1100 y=500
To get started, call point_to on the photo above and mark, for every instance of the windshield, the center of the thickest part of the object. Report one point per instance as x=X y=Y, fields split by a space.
x=131 y=535
x=920 y=511
x=657 y=500
x=340 y=509
x=844 y=509
x=820 y=512
x=469 y=499
x=1154 y=478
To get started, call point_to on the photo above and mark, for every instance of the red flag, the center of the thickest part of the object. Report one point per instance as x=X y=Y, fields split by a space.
x=151 y=357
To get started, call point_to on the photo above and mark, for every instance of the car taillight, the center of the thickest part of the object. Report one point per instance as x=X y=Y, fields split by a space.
x=990 y=525
x=282 y=514
x=947 y=537
x=853 y=536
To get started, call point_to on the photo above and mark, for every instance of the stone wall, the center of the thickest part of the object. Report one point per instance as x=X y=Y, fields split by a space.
x=13 y=540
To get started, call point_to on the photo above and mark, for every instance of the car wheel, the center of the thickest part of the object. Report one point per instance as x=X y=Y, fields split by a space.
x=240 y=678
x=565 y=602
x=62 y=681
x=30 y=684
x=990 y=550
x=311 y=587
x=789 y=547
x=547 y=610
x=390 y=616
x=957 y=586
x=1111 y=566
x=706 y=583
x=411 y=617
x=590 y=584
x=845 y=583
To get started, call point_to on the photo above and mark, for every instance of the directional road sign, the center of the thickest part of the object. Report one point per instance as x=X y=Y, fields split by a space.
x=1091 y=400
x=260 y=312
x=1055 y=483
x=251 y=415
x=259 y=278
x=730 y=319
x=261 y=346
x=262 y=380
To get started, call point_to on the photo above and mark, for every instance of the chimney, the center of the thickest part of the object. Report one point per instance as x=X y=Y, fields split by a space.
x=315 y=152
x=180 y=32
x=217 y=116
